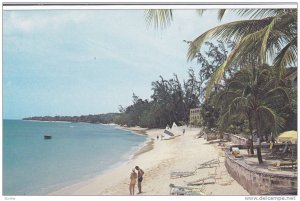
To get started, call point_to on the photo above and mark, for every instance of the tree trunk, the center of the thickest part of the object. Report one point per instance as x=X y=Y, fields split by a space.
x=258 y=149
x=251 y=145
x=259 y=156
x=251 y=133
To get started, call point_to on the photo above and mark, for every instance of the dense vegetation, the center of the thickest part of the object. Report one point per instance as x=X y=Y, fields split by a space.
x=99 y=118
x=248 y=90
x=171 y=102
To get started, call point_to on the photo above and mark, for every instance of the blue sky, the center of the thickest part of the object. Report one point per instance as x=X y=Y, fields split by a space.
x=78 y=62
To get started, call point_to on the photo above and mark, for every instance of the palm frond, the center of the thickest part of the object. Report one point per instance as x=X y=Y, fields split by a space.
x=159 y=17
x=224 y=96
x=234 y=84
x=221 y=13
x=260 y=13
x=247 y=91
x=270 y=115
x=230 y=31
x=200 y=11
x=247 y=41
x=278 y=92
x=287 y=56
x=224 y=119
x=237 y=104
x=263 y=76
x=266 y=36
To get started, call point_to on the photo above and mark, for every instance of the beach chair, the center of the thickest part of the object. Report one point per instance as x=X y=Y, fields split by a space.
x=221 y=175
x=226 y=181
x=178 y=174
x=236 y=152
x=182 y=190
x=209 y=164
x=202 y=181
x=213 y=173
x=290 y=163
x=284 y=151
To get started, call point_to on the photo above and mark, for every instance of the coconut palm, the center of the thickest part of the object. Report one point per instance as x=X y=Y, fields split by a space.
x=269 y=36
x=271 y=39
x=256 y=95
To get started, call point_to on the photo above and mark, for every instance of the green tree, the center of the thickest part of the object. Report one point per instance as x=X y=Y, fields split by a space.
x=269 y=36
x=256 y=95
x=192 y=92
x=210 y=60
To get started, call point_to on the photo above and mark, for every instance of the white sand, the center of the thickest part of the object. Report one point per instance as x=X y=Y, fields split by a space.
x=183 y=153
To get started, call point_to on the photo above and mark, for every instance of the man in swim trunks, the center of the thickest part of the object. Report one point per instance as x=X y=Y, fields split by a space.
x=140 y=178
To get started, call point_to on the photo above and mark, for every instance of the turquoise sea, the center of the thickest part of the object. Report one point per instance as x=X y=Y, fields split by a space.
x=76 y=152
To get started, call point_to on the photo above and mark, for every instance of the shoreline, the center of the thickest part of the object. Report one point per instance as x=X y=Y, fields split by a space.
x=148 y=144
x=136 y=130
x=158 y=158
x=145 y=147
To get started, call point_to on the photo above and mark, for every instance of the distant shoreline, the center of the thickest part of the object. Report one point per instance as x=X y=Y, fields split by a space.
x=107 y=118
x=48 y=121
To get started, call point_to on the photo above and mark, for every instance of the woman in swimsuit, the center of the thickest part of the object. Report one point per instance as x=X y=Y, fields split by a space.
x=132 y=183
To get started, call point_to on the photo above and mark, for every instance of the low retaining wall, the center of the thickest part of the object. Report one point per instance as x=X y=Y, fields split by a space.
x=226 y=136
x=211 y=136
x=257 y=182
x=235 y=139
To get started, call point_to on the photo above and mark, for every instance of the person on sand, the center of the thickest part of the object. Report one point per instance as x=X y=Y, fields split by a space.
x=140 y=178
x=132 y=183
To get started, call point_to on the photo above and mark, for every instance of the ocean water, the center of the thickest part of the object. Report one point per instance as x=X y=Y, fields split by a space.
x=77 y=151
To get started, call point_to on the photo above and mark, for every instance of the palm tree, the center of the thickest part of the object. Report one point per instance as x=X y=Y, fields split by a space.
x=256 y=95
x=270 y=36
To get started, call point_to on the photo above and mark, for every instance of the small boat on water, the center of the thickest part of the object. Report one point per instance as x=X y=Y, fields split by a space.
x=47 y=137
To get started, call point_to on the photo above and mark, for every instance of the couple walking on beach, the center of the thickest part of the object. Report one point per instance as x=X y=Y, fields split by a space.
x=133 y=177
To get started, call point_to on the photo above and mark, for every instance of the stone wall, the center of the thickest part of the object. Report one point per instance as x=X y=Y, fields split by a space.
x=235 y=139
x=227 y=136
x=211 y=136
x=257 y=182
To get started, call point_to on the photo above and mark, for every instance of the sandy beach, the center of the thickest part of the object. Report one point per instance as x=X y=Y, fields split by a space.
x=158 y=159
